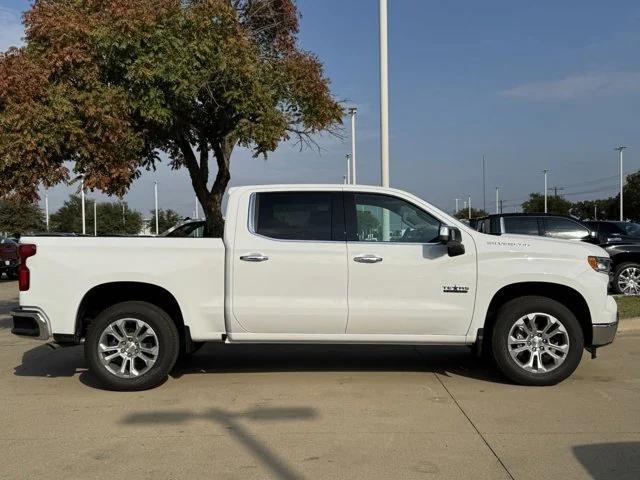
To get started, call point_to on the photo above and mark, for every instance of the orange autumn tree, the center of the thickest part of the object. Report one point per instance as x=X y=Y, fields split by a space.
x=110 y=84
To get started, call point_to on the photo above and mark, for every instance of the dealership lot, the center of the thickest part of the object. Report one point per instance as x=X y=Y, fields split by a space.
x=302 y=412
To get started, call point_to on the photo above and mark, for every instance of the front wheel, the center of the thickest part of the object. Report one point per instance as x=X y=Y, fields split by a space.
x=537 y=341
x=132 y=346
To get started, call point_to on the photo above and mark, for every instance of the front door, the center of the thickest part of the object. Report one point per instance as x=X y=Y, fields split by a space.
x=290 y=264
x=401 y=279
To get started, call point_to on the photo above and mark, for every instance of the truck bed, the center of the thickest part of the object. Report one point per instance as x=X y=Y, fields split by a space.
x=65 y=269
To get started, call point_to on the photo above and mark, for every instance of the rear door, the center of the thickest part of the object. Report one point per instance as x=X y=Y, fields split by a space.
x=401 y=279
x=290 y=265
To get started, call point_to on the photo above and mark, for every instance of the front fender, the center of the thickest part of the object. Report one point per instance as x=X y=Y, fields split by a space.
x=499 y=271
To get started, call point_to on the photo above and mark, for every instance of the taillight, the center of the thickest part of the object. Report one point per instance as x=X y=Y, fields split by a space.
x=25 y=250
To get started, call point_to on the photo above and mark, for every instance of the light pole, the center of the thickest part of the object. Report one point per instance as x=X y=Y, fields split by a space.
x=497 y=199
x=197 y=214
x=457 y=208
x=95 y=218
x=353 y=111
x=46 y=208
x=620 y=149
x=155 y=192
x=384 y=97
x=545 y=171
x=484 y=190
x=469 y=205
x=84 y=225
x=348 y=159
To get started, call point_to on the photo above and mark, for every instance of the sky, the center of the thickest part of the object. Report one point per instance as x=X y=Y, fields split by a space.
x=529 y=85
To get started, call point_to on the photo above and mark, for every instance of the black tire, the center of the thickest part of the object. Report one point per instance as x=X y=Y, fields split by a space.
x=619 y=269
x=517 y=308
x=168 y=345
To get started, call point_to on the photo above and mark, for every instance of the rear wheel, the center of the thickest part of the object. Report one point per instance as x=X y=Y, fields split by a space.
x=132 y=346
x=537 y=341
x=626 y=279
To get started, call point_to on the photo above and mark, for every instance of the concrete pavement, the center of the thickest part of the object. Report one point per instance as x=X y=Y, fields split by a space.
x=325 y=412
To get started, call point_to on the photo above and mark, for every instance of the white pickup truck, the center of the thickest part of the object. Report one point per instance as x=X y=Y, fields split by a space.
x=318 y=264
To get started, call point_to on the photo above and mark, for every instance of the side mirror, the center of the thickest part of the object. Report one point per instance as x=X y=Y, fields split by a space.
x=452 y=238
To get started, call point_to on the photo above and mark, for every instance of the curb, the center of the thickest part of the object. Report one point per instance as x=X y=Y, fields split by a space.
x=629 y=325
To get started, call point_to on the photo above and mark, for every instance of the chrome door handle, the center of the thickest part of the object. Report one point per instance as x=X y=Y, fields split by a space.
x=254 y=257
x=368 y=258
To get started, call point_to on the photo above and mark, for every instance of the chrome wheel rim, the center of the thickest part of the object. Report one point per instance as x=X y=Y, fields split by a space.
x=128 y=348
x=538 y=343
x=629 y=281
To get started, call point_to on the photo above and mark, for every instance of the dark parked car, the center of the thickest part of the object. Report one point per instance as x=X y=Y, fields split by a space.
x=189 y=228
x=540 y=224
x=9 y=257
x=622 y=241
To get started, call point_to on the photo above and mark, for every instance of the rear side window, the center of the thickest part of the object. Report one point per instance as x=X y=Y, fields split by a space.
x=558 y=227
x=294 y=215
x=521 y=225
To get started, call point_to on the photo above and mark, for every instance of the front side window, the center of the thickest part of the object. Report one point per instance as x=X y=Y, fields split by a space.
x=521 y=225
x=294 y=215
x=382 y=218
x=558 y=227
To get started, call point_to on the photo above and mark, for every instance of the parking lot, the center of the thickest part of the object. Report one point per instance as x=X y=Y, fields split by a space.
x=316 y=412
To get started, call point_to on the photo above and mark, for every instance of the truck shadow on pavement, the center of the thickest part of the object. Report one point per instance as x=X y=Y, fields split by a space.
x=42 y=361
x=216 y=358
x=232 y=423
x=610 y=461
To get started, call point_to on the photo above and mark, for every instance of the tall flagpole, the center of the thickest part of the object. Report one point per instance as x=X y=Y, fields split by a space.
x=384 y=96
x=84 y=224
x=155 y=191
x=353 y=111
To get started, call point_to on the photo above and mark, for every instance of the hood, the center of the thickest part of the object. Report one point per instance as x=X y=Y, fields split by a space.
x=550 y=247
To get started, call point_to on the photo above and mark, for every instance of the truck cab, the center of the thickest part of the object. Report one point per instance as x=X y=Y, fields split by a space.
x=318 y=264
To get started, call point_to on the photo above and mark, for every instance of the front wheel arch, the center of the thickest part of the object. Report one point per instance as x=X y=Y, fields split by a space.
x=568 y=296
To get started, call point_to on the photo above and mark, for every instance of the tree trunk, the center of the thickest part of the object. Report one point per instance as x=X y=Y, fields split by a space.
x=213 y=207
x=211 y=200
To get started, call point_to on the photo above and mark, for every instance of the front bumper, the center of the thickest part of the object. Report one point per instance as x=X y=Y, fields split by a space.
x=30 y=323
x=603 y=334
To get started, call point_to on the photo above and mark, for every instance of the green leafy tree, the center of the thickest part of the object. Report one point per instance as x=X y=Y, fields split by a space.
x=631 y=199
x=166 y=219
x=17 y=217
x=111 y=220
x=604 y=208
x=555 y=204
x=110 y=84
x=463 y=213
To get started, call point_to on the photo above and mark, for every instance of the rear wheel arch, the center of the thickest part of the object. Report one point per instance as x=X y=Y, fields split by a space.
x=105 y=295
x=563 y=294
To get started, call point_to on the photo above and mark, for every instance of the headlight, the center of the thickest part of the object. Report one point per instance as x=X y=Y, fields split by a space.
x=600 y=264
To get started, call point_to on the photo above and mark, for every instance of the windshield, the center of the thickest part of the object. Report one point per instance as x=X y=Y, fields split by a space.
x=629 y=228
